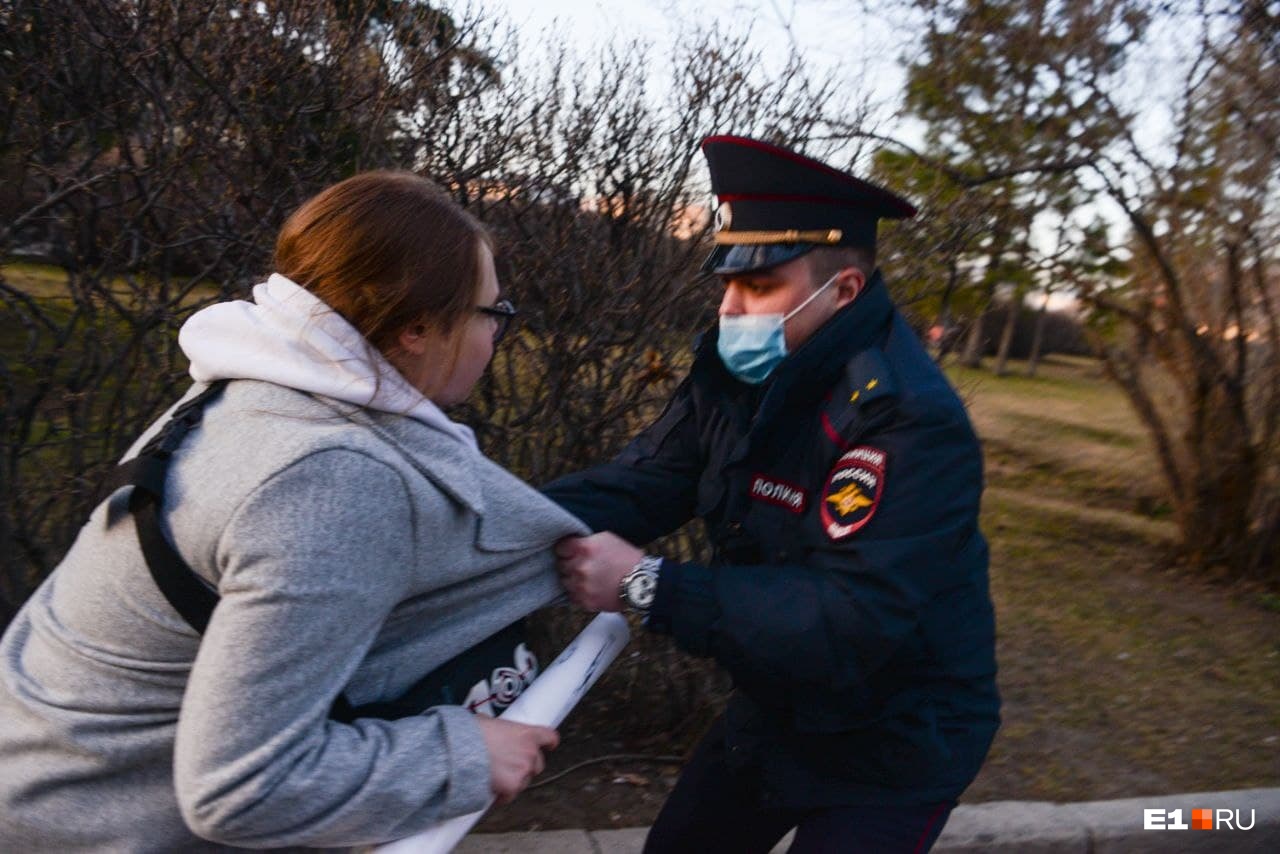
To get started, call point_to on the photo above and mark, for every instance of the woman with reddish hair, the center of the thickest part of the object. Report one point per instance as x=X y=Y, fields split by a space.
x=279 y=630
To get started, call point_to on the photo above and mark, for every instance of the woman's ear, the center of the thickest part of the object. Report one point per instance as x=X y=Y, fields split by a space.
x=413 y=339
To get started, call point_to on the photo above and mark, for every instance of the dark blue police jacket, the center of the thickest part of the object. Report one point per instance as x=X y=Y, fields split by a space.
x=847 y=594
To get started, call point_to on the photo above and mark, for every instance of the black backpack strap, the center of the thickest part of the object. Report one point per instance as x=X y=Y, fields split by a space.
x=185 y=591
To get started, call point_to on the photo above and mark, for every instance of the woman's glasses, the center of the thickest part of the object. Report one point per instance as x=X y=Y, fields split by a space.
x=502 y=311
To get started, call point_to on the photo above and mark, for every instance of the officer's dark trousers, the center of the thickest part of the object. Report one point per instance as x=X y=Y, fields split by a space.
x=712 y=809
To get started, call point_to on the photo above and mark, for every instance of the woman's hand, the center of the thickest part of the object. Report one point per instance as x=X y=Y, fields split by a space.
x=591 y=567
x=515 y=754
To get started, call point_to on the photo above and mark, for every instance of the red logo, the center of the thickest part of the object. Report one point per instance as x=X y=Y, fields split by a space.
x=853 y=491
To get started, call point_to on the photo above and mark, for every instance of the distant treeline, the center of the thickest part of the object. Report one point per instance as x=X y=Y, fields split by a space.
x=1062 y=332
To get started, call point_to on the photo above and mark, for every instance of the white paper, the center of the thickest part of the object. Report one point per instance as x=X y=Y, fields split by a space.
x=547 y=702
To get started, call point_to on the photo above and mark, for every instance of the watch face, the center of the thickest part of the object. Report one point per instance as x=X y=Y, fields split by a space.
x=641 y=589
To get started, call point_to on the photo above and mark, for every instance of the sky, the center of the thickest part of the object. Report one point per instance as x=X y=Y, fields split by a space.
x=865 y=48
x=830 y=35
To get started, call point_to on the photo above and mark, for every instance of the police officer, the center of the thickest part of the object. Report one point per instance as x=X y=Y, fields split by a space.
x=839 y=480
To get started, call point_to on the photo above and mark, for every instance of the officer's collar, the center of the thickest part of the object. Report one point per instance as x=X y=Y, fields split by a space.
x=817 y=363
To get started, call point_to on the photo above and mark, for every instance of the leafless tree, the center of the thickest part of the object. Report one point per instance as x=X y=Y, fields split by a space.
x=1200 y=313
x=1034 y=104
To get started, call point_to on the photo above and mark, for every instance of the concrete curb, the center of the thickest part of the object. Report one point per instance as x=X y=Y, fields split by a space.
x=1001 y=827
x=1103 y=827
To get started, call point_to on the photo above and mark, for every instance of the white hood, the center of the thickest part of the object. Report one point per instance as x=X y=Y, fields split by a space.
x=287 y=336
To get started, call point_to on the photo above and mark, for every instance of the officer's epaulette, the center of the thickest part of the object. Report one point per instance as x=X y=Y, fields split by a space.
x=867 y=377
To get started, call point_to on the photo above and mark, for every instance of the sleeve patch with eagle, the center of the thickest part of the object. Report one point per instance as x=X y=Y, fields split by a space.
x=853 y=491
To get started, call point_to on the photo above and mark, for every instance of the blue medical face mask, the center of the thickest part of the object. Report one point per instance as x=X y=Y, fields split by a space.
x=752 y=345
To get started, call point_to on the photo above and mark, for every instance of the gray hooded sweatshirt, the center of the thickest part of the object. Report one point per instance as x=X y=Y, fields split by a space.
x=354 y=550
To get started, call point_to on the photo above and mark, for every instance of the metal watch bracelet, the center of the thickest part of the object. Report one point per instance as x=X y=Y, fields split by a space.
x=638 y=587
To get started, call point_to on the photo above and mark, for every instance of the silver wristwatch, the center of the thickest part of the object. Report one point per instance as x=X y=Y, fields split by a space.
x=639 y=586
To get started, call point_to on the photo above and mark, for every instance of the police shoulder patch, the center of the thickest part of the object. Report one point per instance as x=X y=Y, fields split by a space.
x=853 y=491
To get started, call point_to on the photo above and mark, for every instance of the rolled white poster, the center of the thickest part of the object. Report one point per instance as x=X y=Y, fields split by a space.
x=547 y=702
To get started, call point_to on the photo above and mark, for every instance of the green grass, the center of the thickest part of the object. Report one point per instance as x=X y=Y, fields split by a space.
x=36 y=280
x=1121 y=675
x=1066 y=433
x=46 y=283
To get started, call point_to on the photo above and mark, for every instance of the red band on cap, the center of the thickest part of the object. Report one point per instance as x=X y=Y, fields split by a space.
x=783 y=153
x=903 y=207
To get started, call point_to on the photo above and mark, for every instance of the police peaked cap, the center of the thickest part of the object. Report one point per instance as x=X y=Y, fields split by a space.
x=775 y=205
